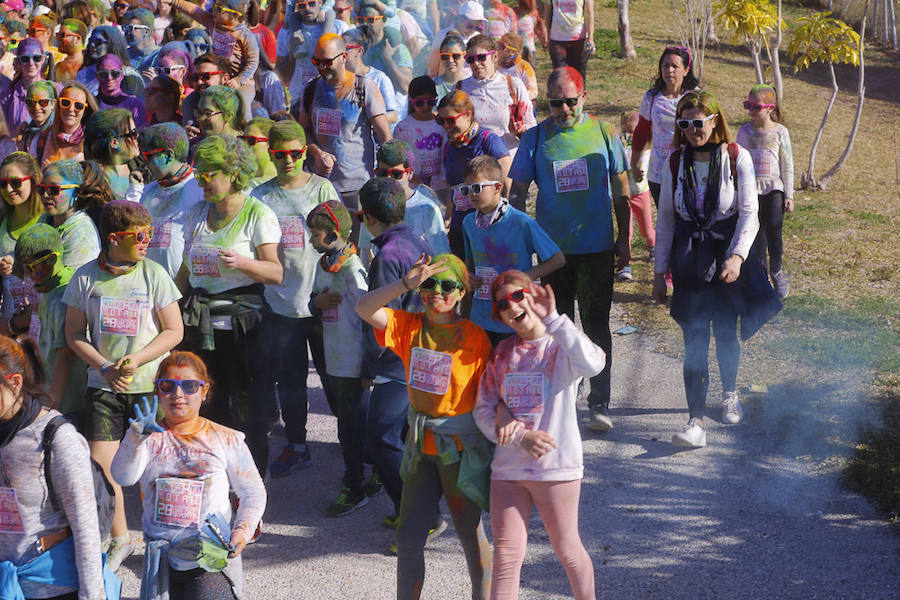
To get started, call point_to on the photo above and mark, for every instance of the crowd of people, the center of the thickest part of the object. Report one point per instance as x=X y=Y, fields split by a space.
x=199 y=198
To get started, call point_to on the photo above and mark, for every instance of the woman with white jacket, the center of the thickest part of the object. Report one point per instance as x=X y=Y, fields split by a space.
x=704 y=233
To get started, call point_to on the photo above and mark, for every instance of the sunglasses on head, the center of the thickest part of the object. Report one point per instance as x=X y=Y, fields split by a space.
x=475 y=188
x=424 y=101
x=29 y=58
x=516 y=296
x=695 y=123
x=368 y=20
x=395 y=173
x=206 y=75
x=448 y=120
x=53 y=190
x=282 y=154
x=755 y=107
x=188 y=386
x=224 y=9
x=13 y=182
x=447 y=286
x=141 y=236
x=168 y=70
x=68 y=102
x=482 y=57
x=453 y=55
x=557 y=102
x=325 y=62
x=42 y=102
x=109 y=75
x=252 y=140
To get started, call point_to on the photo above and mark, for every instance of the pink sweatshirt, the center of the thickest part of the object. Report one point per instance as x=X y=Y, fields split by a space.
x=538 y=382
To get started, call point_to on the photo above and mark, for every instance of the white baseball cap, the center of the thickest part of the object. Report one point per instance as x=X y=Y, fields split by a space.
x=472 y=11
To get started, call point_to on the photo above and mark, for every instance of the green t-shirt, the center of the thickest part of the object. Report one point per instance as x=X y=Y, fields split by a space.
x=52 y=339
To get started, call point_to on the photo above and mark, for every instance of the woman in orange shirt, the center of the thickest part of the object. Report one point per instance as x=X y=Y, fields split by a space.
x=445 y=454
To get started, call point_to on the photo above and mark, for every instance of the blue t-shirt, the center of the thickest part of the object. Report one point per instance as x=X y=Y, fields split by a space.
x=457 y=157
x=507 y=244
x=572 y=168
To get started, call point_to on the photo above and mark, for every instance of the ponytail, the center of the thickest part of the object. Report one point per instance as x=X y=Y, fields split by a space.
x=24 y=357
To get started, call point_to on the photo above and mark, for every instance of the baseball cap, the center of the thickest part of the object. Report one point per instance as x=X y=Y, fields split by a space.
x=472 y=11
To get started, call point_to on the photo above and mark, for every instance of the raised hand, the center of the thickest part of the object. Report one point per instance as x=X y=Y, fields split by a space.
x=422 y=271
x=145 y=420
x=541 y=300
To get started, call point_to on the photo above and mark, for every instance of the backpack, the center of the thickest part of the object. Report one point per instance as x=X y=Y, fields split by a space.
x=675 y=162
x=103 y=490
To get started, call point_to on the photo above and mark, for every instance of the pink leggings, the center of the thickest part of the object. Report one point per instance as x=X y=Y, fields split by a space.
x=640 y=210
x=557 y=503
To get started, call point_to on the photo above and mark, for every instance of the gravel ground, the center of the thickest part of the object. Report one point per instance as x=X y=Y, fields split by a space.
x=758 y=513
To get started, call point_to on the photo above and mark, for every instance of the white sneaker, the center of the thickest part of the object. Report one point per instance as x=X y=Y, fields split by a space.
x=692 y=436
x=731 y=408
x=119 y=552
x=599 y=421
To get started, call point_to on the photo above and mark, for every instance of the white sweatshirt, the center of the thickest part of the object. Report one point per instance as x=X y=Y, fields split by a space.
x=538 y=382
x=186 y=477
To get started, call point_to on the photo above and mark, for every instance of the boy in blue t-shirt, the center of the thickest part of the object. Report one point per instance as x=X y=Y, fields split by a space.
x=498 y=238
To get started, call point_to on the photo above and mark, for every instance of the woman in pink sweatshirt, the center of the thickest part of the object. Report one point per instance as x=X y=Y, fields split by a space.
x=526 y=404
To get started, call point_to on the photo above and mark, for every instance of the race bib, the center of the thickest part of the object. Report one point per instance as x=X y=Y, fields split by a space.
x=162 y=237
x=307 y=72
x=330 y=315
x=178 y=501
x=328 y=122
x=34 y=328
x=568 y=7
x=762 y=162
x=293 y=232
x=120 y=316
x=223 y=43
x=22 y=290
x=10 y=518
x=486 y=276
x=429 y=371
x=205 y=261
x=571 y=175
x=524 y=397
x=462 y=203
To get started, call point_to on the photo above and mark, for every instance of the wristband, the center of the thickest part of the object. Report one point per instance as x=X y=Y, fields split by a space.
x=106 y=365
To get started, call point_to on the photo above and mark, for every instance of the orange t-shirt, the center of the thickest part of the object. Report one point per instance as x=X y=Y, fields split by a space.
x=443 y=363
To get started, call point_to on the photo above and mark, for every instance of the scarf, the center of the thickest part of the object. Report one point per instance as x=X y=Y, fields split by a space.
x=32 y=130
x=31 y=408
x=689 y=192
x=64 y=140
x=183 y=173
x=54 y=281
x=333 y=262
x=466 y=137
x=112 y=268
x=483 y=221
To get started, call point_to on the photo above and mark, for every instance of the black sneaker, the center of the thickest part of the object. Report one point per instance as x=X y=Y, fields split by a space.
x=373 y=486
x=346 y=502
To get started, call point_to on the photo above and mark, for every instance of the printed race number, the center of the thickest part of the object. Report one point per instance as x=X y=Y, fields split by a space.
x=524 y=397
x=120 y=316
x=178 y=501
x=429 y=371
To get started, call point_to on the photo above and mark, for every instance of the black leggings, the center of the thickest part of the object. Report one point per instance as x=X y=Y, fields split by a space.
x=654 y=191
x=771 y=217
x=198 y=584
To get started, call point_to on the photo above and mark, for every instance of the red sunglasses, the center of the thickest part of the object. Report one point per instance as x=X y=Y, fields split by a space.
x=448 y=120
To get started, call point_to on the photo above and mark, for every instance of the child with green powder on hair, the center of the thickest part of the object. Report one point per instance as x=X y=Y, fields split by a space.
x=340 y=282
x=39 y=257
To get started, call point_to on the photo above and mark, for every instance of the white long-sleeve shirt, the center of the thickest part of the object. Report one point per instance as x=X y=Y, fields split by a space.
x=184 y=478
x=744 y=202
x=538 y=382
x=491 y=99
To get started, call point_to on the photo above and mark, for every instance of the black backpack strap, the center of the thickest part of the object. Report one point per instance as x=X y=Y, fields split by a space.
x=309 y=90
x=47 y=445
x=359 y=85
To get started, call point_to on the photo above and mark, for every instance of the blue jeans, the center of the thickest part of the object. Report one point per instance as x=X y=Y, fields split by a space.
x=385 y=426
x=287 y=362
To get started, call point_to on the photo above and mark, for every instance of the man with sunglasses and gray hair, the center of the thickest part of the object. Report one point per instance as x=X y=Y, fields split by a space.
x=343 y=115
x=579 y=166
x=142 y=49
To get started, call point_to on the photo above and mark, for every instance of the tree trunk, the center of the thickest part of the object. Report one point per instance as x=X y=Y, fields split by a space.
x=892 y=20
x=755 y=50
x=626 y=44
x=772 y=53
x=860 y=95
x=808 y=181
